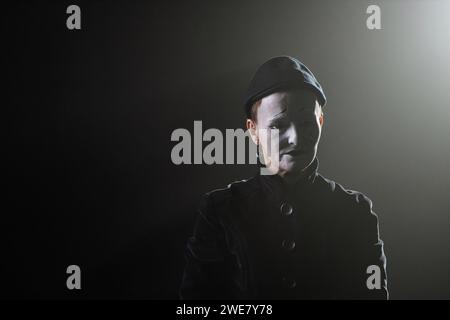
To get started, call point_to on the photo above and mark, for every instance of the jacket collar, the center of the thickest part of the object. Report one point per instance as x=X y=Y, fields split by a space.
x=275 y=186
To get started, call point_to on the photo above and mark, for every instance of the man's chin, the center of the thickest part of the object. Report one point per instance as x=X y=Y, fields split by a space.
x=295 y=168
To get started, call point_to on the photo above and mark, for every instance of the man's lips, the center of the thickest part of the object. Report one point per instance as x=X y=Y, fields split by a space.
x=295 y=152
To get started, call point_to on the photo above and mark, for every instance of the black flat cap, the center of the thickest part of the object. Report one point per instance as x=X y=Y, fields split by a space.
x=281 y=73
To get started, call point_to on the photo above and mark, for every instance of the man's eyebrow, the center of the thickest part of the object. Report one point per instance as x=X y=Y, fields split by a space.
x=279 y=114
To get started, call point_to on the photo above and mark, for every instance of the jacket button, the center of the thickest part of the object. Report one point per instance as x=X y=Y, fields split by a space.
x=289 y=283
x=286 y=209
x=289 y=245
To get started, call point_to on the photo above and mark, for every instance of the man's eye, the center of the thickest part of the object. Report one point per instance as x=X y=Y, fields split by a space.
x=278 y=126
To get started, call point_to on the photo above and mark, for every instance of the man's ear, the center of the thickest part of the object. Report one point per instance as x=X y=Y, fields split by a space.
x=251 y=127
x=319 y=111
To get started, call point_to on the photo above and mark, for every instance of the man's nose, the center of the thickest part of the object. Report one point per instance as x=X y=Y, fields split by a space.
x=293 y=135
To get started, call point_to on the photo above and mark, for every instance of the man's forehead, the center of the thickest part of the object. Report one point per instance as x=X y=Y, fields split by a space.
x=301 y=100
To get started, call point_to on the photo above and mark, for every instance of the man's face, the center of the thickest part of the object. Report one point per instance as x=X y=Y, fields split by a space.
x=298 y=117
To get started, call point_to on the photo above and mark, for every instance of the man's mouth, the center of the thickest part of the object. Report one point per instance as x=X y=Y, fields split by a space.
x=295 y=152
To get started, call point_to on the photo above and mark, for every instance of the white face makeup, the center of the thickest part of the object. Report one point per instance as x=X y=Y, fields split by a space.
x=297 y=115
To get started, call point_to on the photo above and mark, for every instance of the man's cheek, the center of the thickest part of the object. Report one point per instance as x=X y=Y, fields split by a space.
x=283 y=143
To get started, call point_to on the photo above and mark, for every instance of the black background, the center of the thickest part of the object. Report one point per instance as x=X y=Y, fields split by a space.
x=88 y=178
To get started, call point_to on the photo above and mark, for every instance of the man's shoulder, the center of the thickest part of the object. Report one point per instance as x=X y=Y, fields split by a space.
x=339 y=194
x=236 y=189
x=349 y=210
x=218 y=205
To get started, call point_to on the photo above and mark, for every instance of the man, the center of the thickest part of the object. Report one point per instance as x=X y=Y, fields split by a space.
x=294 y=234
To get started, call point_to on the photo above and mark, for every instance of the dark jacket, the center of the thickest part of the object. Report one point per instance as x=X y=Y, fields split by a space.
x=258 y=239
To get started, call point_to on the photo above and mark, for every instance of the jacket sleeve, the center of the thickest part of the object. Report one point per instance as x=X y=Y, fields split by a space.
x=206 y=271
x=368 y=279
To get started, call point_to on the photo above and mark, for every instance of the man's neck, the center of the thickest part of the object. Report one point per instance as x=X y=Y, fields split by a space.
x=292 y=178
